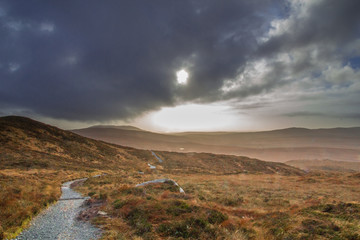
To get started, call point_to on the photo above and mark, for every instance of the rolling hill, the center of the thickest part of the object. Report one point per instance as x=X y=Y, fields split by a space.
x=26 y=144
x=341 y=144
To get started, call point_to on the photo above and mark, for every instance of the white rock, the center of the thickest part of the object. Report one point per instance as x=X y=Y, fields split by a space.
x=102 y=213
x=161 y=181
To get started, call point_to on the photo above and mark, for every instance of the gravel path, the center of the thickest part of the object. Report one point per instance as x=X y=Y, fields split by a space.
x=59 y=222
x=157 y=157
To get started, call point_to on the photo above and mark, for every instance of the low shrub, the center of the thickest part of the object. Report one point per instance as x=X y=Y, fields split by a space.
x=190 y=228
x=316 y=227
x=277 y=223
x=90 y=194
x=138 y=218
x=178 y=207
x=134 y=191
x=233 y=201
x=103 y=196
x=216 y=217
x=119 y=203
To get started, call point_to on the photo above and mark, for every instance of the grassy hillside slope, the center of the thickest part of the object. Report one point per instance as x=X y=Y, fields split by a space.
x=26 y=143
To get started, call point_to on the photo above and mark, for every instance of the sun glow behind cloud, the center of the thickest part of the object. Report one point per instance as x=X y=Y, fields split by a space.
x=182 y=76
x=195 y=117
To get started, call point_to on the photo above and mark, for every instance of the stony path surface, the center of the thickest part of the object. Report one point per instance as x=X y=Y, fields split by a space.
x=59 y=222
x=157 y=157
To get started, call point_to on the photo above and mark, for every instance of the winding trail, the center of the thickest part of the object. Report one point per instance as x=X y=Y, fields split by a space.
x=157 y=157
x=59 y=222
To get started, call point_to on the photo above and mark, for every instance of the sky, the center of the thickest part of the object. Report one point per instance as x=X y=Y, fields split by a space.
x=189 y=65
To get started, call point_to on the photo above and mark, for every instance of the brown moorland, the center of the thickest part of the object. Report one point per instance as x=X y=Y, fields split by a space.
x=319 y=205
x=227 y=197
x=36 y=158
x=326 y=165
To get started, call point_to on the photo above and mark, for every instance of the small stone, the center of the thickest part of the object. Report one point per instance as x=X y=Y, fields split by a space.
x=102 y=213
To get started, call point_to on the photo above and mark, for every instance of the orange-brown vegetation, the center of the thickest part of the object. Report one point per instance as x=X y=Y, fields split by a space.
x=238 y=206
x=326 y=165
x=24 y=193
x=28 y=144
x=227 y=197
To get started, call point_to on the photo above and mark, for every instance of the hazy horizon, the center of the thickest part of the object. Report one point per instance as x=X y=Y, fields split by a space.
x=126 y=124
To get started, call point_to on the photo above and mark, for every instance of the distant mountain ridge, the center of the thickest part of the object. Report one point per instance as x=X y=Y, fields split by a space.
x=123 y=127
x=290 y=129
x=282 y=145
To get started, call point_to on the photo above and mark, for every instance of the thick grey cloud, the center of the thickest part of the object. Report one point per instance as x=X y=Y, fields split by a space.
x=107 y=60
x=307 y=63
x=93 y=60
x=329 y=22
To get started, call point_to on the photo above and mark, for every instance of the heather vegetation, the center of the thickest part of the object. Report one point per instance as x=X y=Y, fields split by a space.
x=240 y=206
x=226 y=197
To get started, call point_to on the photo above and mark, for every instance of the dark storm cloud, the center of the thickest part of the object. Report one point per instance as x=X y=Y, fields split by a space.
x=104 y=60
x=93 y=60
x=315 y=36
x=326 y=22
